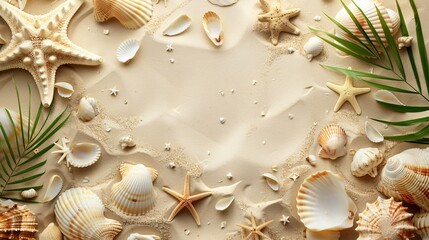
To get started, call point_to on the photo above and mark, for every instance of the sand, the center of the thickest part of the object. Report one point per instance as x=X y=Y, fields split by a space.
x=273 y=103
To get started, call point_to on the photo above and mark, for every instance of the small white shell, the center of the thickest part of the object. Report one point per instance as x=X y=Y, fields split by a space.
x=84 y=154
x=421 y=222
x=312 y=159
x=51 y=232
x=224 y=203
x=365 y=161
x=29 y=194
x=322 y=235
x=223 y=3
x=387 y=96
x=127 y=50
x=87 y=109
x=272 y=181
x=127 y=142
x=313 y=47
x=404 y=41
x=213 y=28
x=373 y=134
x=332 y=139
x=178 y=26
x=138 y=236
x=54 y=188
x=64 y=89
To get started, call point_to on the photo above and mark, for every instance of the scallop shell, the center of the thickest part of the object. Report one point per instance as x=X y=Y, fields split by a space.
x=323 y=203
x=13 y=130
x=51 y=232
x=323 y=235
x=80 y=216
x=272 y=181
x=387 y=96
x=373 y=134
x=131 y=14
x=365 y=161
x=178 y=25
x=405 y=177
x=17 y=222
x=134 y=195
x=385 y=219
x=138 y=236
x=213 y=28
x=223 y=3
x=54 y=188
x=421 y=222
x=127 y=142
x=333 y=139
x=29 y=193
x=64 y=89
x=84 y=154
x=87 y=109
x=313 y=47
x=127 y=50
x=224 y=203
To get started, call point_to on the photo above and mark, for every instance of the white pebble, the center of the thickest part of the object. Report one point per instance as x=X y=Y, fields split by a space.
x=172 y=60
x=222 y=120
x=317 y=18
x=85 y=180
x=229 y=176
x=290 y=50
x=187 y=232
x=223 y=225
x=290 y=115
x=171 y=165
x=106 y=31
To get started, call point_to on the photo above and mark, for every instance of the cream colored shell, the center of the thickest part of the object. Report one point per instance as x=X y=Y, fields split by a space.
x=17 y=222
x=12 y=128
x=421 y=222
x=313 y=47
x=178 y=25
x=84 y=154
x=213 y=27
x=365 y=161
x=51 y=232
x=127 y=142
x=80 y=216
x=333 y=139
x=29 y=193
x=272 y=181
x=127 y=50
x=64 y=89
x=54 y=188
x=88 y=109
x=223 y=3
x=138 y=236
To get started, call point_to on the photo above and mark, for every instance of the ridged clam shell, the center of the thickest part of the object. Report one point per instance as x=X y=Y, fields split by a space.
x=131 y=14
x=64 y=89
x=80 y=216
x=365 y=161
x=421 y=222
x=134 y=195
x=51 y=232
x=17 y=222
x=333 y=139
x=405 y=177
x=313 y=47
x=385 y=219
x=323 y=203
x=54 y=188
x=127 y=142
x=178 y=25
x=84 y=154
x=127 y=50
x=323 y=235
x=29 y=194
x=87 y=109
x=12 y=128
x=213 y=28
x=373 y=134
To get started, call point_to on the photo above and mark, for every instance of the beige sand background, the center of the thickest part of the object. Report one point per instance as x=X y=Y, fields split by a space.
x=181 y=103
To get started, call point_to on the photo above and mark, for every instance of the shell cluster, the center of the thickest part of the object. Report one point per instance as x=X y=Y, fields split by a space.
x=333 y=139
x=88 y=109
x=365 y=161
x=17 y=222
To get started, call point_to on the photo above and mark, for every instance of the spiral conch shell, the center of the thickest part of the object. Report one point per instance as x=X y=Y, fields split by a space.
x=134 y=195
x=421 y=222
x=17 y=222
x=80 y=216
x=333 y=139
x=385 y=219
x=51 y=232
x=365 y=161
x=406 y=177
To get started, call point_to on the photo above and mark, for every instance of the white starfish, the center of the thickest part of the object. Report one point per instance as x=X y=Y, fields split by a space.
x=285 y=219
x=40 y=45
x=169 y=48
x=114 y=91
x=64 y=150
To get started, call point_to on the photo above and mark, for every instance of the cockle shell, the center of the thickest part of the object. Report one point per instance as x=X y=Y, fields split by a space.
x=87 y=109
x=17 y=222
x=127 y=142
x=18 y=3
x=131 y=14
x=272 y=181
x=134 y=195
x=405 y=177
x=385 y=219
x=333 y=139
x=80 y=216
x=213 y=28
x=54 y=188
x=138 y=236
x=178 y=25
x=223 y=3
x=51 y=232
x=323 y=203
x=29 y=194
x=322 y=235
x=313 y=47
x=83 y=154
x=127 y=50
x=12 y=128
x=64 y=89
x=372 y=133
x=224 y=203
x=421 y=222
x=365 y=161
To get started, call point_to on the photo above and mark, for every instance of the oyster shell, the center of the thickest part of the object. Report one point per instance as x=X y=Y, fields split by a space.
x=87 y=109
x=213 y=28
x=178 y=26
x=313 y=47
x=80 y=216
x=29 y=193
x=127 y=142
x=17 y=222
x=51 y=232
x=64 y=89
x=272 y=181
x=365 y=161
x=54 y=188
x=421 y=222
x=333 y=139
x=127 y=50
x=372 y=133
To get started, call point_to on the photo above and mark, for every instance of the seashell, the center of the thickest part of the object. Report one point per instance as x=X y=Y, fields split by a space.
x=372 y=133
x=213 y=28
x=127 y=50
x=272 y=181
x=323 y=203
x=333 y=139
x=385 y=219
x=131 y=14
x=178 y=26
x=29 y=193
x=64 y=89
x=54 y=188
x=224 y=203
x=134 y=195
x=421 y=222
x=365 y=161
x=313 y=47
x=84 y=154
x=51 y=232
x=311 y=159
x=127 y=142
x=87 y=109
x=138 y=236
x=404 y=41
x=80 y=216
x=405 y=177
x=387 y=96
x=223 y=3
x=17 y=222
x=322 y=235
x=12 y=126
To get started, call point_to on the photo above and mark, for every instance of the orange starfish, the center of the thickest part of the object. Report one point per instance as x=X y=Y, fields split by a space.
x=186 y=200
x=255 y=230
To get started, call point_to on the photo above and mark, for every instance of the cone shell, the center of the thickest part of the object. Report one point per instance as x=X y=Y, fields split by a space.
x=406 y=177
x=333 y=139
x=134 y=195
x=313 y=47
x=178 y=26
x=365 y=161
x=12 y=129
x=127 y=50
x=131 y=14
x=213 y=28
x=421 y=222
x=385 y=219
x=51 y=232
x=17 y=222
x=323 y=203
x=64 y=89
x=80 y=216
x=87 y=109
x=84 y=154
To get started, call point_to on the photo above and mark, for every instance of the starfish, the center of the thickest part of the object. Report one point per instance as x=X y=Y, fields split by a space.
x=278 y=19
x=40 y=45
x=285 y=219
x=347 y=93
x=169 y=48
x=64 y=150
x=114 y=91
x=186 y=200
x=255 y=230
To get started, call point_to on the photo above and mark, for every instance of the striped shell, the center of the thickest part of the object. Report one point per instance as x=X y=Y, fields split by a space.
x=134 y=195
x=131 y=14
x=17 y=222
x=406 y=177
x=365 y=161
x=51 y=232
x=385 y=219
x=127 y=50
x=333 y=139
x=12 y=128
x=80 y=216
x=421 y=222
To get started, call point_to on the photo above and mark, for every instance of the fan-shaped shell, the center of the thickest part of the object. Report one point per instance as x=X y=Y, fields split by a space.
x=323 y=203
x=213 y=28
x=178 y=25
x=313 y=47
x=134 y=195
x=372 y=133
x=87 y=109
x=322 y=235
x=54 y=188
x=84 y=154
x=405 y=177
x=131 y=14
x=17 y=222
x=365 y=161
x=51 y=232
x=127 y=50
x=333 y=139
x=80 y=216
x=64 y=89
x=421 y=222
x=385 y=219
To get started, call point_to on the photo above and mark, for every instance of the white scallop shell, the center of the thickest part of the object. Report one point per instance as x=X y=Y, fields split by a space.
x=138 y=236
x=51 y=232
x=313 y=47
x=372 y=133
x=365 y=161
x=134 y=195
x=127 y=50
x=223 y=3
x=54 y=188
x=87 y=109
x=213 y=28
x=322 y=235
x=29 y=193
x=333 y=139
x=224 y=203
x=421 y=222
x=387 y=96
x=272 y=181
x=127 y=142
x=64 y=89
x=323 y=203
x=178 y=25
x=80 y=216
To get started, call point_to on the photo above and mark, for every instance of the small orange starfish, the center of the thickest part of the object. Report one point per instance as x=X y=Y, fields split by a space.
x=186 y=200
x=255 y=231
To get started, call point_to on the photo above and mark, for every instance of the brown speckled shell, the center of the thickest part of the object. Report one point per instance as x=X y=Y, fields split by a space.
x=17 y=222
